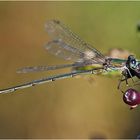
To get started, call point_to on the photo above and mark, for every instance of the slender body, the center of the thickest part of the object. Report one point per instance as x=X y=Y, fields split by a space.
x=86 y=59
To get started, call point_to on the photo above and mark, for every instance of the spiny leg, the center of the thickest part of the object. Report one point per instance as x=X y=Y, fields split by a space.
x=120 y=81
x=124 y=74
x=125 y=79
x=130 y=76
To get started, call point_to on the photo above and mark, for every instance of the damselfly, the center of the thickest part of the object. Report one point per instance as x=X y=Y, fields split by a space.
x=86 y=59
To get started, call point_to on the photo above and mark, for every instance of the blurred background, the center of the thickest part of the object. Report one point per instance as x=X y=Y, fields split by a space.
x=70 y=108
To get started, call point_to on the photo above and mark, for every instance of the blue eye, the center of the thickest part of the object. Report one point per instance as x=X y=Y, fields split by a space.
x=133 y=63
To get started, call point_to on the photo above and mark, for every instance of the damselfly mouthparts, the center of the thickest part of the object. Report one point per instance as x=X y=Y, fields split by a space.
x=67 y=45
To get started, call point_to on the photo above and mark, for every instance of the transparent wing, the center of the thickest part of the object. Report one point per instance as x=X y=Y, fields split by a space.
x=67 y=52
x=54 y=67
x=61 y=49
x=59 y=31
x=43 y=68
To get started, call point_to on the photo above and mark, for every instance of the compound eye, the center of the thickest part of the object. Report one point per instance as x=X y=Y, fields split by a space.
x=133 y=63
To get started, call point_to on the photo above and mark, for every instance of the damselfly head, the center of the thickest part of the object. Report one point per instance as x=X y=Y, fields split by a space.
x=132 y=98
x=131 y=62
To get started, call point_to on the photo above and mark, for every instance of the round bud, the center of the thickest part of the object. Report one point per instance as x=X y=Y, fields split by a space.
x=131 y=97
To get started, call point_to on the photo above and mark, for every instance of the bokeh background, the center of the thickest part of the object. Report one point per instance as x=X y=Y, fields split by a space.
x=70 y=108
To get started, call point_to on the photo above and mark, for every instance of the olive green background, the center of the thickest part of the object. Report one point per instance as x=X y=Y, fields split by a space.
x=70 y=108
